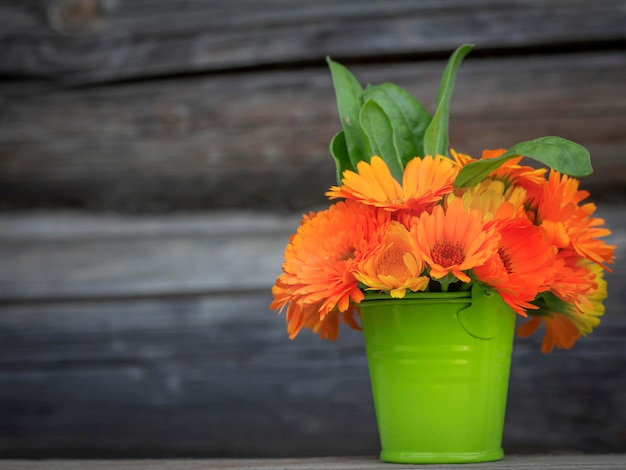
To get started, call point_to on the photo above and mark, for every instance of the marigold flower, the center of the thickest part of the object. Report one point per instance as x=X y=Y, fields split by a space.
x=586 y=318
x=393 y=266
x=574 y=280
x=461 y=158
x=298 y=317
x=560 y=197
x=425 y=181
x=522 y=265
x=570 y=224
x=585 y=233
x=320 y=259
x=564 y=322
x=493 y=200
x=559 y=332
x=453 y=240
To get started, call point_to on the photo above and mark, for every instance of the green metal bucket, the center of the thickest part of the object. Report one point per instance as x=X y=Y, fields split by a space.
x=439 y=366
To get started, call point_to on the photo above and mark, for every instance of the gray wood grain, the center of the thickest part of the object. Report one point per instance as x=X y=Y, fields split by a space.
x=195 y=376
x=122 y=256
x=260 y=140
x=90 y=41
x=78 y=255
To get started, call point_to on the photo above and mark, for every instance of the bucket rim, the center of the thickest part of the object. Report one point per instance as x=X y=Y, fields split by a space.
x=377 y=298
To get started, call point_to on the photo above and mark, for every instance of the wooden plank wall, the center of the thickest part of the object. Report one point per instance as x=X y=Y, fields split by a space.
x=156 y=155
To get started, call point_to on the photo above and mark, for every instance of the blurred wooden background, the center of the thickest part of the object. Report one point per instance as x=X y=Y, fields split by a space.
x=155 y=157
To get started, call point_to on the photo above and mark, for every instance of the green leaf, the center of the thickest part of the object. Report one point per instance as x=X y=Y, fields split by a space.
x=559 y=154
x=377 y=127
x=408 y=116
x=436 y=135
x=339 y=151
x=349 y=95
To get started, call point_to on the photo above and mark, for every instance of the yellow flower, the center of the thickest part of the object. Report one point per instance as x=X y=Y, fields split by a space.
x=492 y=199
x=425 y=181
x=586 y=317
x=392 y=266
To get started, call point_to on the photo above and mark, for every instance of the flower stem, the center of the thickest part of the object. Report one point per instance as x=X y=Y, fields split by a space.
x=446 y=281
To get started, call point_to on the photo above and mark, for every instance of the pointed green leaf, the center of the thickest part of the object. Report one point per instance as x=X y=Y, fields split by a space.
x=349 y=95
x=436 y=135
x=408 y=116
x=559 y=154
x=339 y=151
x=377 y=127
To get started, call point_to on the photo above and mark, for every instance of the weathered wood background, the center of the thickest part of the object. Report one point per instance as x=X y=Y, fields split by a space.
x=156 y=155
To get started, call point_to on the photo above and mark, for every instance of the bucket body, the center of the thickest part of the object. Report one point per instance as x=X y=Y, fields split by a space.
x=439 y=367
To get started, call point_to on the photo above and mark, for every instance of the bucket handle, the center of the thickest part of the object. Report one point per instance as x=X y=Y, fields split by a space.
x=485 y=317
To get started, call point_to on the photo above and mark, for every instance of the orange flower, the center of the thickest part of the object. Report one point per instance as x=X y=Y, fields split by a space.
x=564 y=322
x=453 y=240
x=559 y=332
x=560 y=197
x=392 y=266
x=574 y=280
x=425 y=181
x=320 y=260
x=521 y=267
x=584 y=232
x=461 y=158
x=569 y=224
x=308 y=316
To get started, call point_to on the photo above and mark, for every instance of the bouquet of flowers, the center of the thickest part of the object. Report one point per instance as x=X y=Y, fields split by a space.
x=409 y=215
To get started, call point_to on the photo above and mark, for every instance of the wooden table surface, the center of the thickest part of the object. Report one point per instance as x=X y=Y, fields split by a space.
x=517 y=462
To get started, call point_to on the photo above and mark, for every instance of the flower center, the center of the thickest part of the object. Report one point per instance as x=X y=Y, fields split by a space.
x=348 y=254
x=447 y=254
x=391 y=263
x=506 y=260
